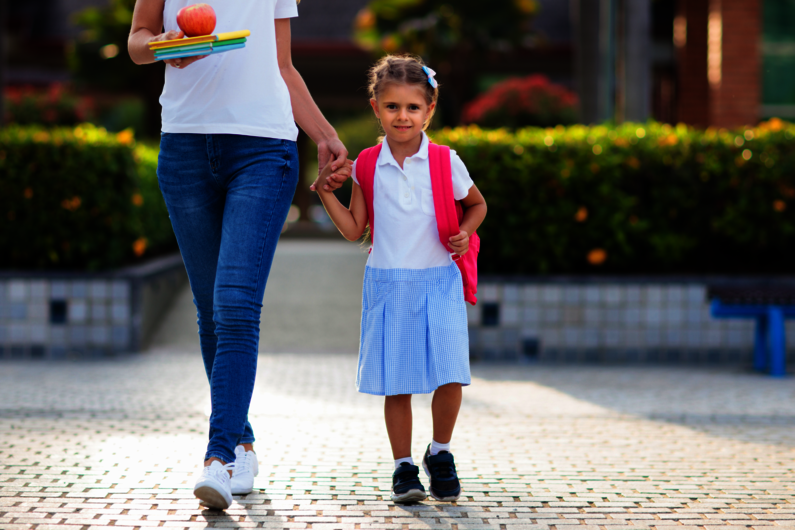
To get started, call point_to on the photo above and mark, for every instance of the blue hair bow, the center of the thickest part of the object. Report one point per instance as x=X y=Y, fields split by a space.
x=430 y=73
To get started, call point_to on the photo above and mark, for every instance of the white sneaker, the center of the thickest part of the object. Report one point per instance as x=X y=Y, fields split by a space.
x=246 y=468
x=213 y=489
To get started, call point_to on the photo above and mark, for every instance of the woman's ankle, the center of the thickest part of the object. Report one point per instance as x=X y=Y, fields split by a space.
x=213 y=459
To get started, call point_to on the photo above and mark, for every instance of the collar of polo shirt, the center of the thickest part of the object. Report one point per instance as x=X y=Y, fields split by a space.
x=386 y=157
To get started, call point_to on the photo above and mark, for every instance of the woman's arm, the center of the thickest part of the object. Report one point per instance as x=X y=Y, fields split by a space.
x=147 y=25
x=352 y=221
x=305 y=111
x=474 y=213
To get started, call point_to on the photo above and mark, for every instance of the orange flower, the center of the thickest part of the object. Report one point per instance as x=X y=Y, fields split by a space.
x=137 y=199
x=528 y=7
x=28 y=193
x=581 y=215
x=390 y=44
x=125 y=137
x=365 y=19
x=779 y=205
x=633 y=162
x=775 y=124
x=71 y=204
x=597 y=256
x=139 y=246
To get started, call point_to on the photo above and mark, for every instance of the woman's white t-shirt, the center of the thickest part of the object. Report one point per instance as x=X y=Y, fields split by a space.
x=237 y=92
x=406 y=236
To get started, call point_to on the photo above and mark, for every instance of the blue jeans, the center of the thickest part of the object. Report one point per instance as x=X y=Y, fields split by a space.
x=228 y=197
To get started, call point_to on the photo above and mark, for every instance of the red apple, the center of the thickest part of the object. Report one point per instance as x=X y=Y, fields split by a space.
x=196 y=20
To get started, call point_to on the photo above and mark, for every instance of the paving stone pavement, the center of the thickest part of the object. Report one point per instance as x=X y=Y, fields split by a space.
x=118 y=443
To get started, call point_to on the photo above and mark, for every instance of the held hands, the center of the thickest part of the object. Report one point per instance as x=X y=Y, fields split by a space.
x=176 y=63
x=328 y=179
x=460 y=243
x=332 y=151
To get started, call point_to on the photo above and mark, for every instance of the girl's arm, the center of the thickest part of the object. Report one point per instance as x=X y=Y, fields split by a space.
x=305 y=111
x=352 y=221
x=474 y=213
x=147 y=25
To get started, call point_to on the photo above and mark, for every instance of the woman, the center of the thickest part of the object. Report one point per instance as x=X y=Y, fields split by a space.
x=228 y=169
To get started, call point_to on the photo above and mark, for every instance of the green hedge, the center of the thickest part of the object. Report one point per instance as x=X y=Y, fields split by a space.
x=78 y=199
x=636 y=198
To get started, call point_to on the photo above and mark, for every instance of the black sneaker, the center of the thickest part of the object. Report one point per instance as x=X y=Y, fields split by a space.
x=444 y=480
x=406 y=485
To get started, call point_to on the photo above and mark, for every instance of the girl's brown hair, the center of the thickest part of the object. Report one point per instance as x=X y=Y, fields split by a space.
x=406 y=70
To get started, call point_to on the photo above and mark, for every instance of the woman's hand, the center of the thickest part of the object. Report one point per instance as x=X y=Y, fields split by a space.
x=335 y=152
x=460 y=243
x=176 y=63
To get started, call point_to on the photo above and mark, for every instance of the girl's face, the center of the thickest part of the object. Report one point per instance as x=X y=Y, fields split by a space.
x=402 y=110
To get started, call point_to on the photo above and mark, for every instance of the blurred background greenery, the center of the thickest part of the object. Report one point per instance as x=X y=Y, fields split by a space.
x=503 y=70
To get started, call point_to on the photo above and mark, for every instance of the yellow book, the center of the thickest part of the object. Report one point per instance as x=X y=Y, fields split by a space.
x=230 y=35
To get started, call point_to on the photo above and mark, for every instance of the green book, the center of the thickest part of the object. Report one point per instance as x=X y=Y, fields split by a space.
x=228 y=42
x=182 y=49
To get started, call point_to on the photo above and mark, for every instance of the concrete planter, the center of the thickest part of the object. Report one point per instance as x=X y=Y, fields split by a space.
x=603 y=319
x=59 y=315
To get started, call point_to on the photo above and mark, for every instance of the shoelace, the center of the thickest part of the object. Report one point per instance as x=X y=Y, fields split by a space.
x=243 y=463
x=224 y=471
x=444 y=470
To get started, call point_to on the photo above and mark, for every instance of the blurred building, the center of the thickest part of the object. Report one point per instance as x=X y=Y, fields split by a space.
x=702 y=62
x=718 y=63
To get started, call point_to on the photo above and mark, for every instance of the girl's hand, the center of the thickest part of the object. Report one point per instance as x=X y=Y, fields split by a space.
x=331 y=151
x=176 y=63
x=460 y=243
x=326 y=178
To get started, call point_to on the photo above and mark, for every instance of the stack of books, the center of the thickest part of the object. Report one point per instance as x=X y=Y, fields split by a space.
x=204 y=45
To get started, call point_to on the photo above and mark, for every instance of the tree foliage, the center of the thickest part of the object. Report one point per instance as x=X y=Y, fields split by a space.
x=435 y=28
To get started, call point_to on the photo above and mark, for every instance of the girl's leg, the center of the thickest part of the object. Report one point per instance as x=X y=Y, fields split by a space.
x=445 y=406
x=397 y=413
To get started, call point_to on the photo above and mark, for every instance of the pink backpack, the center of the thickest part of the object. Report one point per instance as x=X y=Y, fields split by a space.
x=449 y=211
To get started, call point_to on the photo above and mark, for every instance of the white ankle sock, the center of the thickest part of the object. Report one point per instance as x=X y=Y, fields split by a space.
x=399 y=461
x=436 y=447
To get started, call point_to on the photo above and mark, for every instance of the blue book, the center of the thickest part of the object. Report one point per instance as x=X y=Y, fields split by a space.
x=184 y=53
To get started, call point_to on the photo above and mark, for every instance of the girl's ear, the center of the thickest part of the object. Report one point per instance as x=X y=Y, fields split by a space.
x=374 y=104
x=430 y=110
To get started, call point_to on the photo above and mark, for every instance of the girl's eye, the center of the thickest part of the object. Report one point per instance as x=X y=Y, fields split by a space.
x=414 y=107
x=391 y=106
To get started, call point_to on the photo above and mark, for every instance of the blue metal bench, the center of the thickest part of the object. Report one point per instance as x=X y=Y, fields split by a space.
x=769 y=305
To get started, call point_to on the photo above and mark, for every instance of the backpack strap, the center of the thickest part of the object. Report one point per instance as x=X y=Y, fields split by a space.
x=365 y=174
x=444 y=202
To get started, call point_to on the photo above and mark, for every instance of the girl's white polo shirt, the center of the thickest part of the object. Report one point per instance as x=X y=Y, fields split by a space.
x=238 y=92
x=406 y=236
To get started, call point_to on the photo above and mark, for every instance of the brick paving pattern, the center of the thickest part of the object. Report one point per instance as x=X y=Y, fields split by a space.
x=117 y=444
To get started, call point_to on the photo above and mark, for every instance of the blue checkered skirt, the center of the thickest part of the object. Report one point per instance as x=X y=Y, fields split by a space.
x=414 y=335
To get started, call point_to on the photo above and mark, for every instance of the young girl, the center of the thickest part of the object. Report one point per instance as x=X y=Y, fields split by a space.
x=414 y=336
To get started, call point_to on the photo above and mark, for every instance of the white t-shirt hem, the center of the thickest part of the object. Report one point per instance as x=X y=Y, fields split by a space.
x=231 y=128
